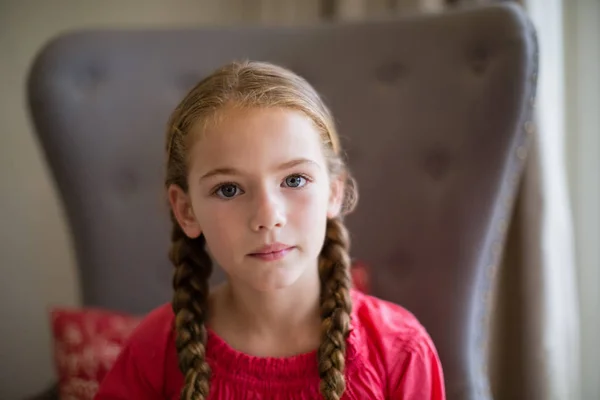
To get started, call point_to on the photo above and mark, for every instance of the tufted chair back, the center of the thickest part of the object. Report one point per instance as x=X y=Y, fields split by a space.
x=432 y=110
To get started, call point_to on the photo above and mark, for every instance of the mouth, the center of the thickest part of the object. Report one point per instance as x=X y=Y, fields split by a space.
x=272 y=252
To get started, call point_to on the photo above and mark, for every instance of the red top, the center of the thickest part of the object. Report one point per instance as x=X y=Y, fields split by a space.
x=389 y=356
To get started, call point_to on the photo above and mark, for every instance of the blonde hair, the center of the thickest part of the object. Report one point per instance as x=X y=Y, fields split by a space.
x=255 y=84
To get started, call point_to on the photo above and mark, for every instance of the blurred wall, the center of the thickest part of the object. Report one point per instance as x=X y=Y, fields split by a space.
x=37 y=267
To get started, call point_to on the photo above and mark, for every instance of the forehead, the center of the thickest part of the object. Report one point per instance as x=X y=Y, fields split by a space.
x=255 y=138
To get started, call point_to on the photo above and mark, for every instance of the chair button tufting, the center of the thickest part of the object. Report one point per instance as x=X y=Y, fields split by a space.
x=436 y=163
x=479 y=59
x=390 y=73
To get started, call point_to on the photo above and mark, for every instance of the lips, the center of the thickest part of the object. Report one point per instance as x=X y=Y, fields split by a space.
x=271 y=248
x=272 y=252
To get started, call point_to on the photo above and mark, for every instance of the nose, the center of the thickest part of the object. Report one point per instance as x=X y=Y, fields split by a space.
x=268 y=212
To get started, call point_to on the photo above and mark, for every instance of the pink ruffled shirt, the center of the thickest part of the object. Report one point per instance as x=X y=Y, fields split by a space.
x=389 y=356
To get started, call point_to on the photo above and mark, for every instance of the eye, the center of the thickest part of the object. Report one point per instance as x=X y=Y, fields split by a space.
x=228 y=191
x=295 y=181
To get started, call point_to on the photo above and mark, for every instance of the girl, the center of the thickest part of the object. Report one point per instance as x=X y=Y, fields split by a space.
x=255 y=181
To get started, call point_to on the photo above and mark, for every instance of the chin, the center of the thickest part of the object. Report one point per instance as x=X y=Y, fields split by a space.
x=274 y=276
x=276 y=281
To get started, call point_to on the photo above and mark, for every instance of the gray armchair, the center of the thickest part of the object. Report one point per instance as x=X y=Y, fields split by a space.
x=431 y=108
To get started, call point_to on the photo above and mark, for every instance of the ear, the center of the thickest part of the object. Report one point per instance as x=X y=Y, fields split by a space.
x=336 y=197
x=182 y=209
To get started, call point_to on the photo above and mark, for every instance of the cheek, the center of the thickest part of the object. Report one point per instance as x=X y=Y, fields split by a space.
x=220 y=224
x=307 y=210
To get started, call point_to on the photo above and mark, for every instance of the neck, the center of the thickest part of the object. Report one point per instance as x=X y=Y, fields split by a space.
x=280 y=313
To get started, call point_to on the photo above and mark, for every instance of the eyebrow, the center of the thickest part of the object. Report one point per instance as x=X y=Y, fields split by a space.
x=233 y=171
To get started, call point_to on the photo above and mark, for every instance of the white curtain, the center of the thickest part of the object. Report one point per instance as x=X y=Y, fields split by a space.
x=582 y=55
x=552 y=343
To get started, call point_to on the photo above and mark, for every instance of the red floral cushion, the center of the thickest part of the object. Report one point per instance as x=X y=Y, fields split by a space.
x=86 y=344
x=360 y=276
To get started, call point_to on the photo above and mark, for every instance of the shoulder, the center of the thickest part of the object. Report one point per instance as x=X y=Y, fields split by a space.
x=152 y=341
x=387 y=321
x=394 y=341
x=156 y=326
x=141 y=366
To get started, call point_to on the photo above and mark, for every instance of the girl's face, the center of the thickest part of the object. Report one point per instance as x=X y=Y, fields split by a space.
x=260 y=192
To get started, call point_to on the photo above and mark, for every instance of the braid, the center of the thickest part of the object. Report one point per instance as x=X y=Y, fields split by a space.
x=336 y=306
x=193 y=267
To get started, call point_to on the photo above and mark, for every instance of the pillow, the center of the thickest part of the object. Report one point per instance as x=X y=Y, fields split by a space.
x=86 y=344
x=360 y=276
